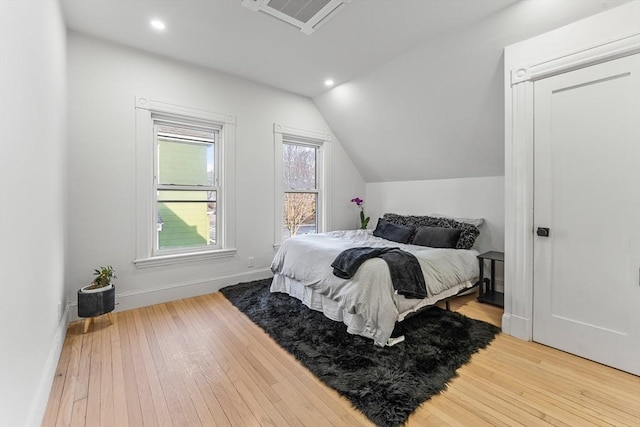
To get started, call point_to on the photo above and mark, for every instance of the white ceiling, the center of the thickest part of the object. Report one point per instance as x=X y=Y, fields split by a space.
x=437 y=111
x=224 y=35
x=419 y=83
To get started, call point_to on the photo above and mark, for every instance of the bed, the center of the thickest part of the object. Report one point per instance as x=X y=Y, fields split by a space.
x=367 y=302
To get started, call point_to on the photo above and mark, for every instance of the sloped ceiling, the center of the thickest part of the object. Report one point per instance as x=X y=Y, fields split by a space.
x=438 y=111
x=224 y=35
x=420 y=92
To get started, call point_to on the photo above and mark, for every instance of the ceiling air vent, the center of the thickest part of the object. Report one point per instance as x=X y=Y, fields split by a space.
x=304 y=14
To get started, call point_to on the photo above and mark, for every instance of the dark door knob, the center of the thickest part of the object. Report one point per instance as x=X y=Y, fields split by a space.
x=543 y=232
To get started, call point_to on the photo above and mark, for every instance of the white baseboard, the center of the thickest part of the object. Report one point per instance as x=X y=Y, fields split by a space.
x=147 y=297
x=41 y=398
x=517 y=326
x=506 y=323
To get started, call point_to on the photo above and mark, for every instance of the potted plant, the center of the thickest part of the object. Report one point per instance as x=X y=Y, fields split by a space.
x=364 y=221
x=102 y=282
x=98 y=297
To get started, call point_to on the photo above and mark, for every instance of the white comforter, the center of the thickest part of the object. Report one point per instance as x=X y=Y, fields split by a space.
x=370 y=294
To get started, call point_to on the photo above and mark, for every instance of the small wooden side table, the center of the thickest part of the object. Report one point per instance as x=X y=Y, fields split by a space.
x=487 y=292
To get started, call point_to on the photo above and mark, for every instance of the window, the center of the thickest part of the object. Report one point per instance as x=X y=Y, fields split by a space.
x=300 y=184
x=185 y=188
x=186 y=181
x=300 y=190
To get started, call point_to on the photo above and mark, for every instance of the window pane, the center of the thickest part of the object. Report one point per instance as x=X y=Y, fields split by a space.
x=185 y=156
x=186 y=219
x=299 y=167
x=300 y=214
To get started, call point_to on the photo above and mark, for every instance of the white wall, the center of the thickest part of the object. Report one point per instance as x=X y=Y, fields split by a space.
x=104 y=78
x=32 y=205
x=461 y=197
x=437 y=111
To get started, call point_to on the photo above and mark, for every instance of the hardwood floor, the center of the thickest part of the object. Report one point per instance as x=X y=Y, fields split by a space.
x=200 y=362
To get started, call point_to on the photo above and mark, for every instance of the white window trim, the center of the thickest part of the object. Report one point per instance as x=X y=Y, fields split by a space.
x=146 y=111
x=317 y=139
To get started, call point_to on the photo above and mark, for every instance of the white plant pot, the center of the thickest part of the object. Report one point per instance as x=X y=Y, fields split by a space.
x=93 y=291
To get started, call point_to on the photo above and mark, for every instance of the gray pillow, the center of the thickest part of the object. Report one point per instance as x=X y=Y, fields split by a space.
x=437 y=237
x=394 y=232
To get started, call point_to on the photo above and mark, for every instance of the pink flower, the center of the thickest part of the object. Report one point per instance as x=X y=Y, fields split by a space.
x=364 y=221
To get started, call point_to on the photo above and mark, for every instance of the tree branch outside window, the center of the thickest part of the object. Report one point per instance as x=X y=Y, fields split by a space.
x=299 y=179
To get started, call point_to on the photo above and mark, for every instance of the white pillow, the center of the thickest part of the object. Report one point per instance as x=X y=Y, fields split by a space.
x=473 y=221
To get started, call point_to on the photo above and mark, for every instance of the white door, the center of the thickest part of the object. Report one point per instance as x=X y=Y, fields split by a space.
x=587 y=192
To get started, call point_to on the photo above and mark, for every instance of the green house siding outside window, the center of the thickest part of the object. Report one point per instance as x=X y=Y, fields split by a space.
x=186 y=188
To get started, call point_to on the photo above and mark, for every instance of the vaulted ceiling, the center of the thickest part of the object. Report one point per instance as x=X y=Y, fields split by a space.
x=437 y=111
x=418 y=90
x=224 y=35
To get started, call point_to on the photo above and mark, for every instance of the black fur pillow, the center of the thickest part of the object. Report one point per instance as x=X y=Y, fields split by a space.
x=467 y=236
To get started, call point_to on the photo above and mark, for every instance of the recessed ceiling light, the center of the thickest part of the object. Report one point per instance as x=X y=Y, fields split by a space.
x=329 y=82
x=158 y=24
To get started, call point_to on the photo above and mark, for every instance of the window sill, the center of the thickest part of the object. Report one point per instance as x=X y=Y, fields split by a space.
x=182 y=258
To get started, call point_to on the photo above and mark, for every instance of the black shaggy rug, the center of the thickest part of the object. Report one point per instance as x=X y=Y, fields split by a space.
x=386 y=384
